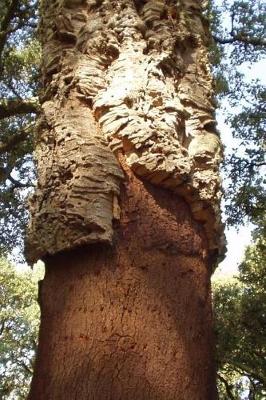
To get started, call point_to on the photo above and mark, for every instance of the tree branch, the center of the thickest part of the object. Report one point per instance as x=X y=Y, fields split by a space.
x=17 y=184
x=2 y=327
x=9 y=14
x=11 y=107
x=254 y=41
x=6 y=22
x=28 y=369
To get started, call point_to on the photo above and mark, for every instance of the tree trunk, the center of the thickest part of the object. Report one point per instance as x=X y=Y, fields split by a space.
x=126 y=211
x=130 y=322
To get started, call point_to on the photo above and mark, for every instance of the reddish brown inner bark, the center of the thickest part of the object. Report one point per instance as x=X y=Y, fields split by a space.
x=132 y=321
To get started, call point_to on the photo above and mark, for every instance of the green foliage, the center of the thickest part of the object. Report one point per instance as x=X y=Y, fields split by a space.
x=240 y=303
x=240 y=314
x=246 y=190
x=19 y=73
x=16 y=178
x=19 y=320
x=239 y=31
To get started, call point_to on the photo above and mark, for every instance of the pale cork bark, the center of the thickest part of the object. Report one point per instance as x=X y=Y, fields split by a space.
x=129 y=77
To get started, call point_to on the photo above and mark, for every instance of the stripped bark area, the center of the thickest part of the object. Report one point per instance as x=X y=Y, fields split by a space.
x=132 y=321
x=122 y=77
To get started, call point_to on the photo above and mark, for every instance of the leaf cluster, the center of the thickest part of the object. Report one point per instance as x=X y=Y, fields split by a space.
x=19 y=320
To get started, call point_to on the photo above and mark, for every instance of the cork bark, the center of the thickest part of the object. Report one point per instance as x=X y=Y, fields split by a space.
x=122 y=77
x=132 y=321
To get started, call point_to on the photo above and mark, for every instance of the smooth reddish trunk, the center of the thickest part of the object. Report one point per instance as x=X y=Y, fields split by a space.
x=131 y=322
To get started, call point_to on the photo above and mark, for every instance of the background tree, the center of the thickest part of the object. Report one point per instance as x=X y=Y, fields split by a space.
x=19 y=324
x=19 y=55
x=239 y=33
x=240 y=312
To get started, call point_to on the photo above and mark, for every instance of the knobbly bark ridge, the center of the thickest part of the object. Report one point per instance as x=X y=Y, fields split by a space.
x=128 y=77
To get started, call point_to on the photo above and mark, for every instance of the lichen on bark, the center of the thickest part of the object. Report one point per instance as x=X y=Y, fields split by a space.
x=128 y=77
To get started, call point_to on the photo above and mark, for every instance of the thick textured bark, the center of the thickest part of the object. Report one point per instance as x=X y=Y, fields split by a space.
x=131 y=322
x=122 y=76
x=126 y=211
